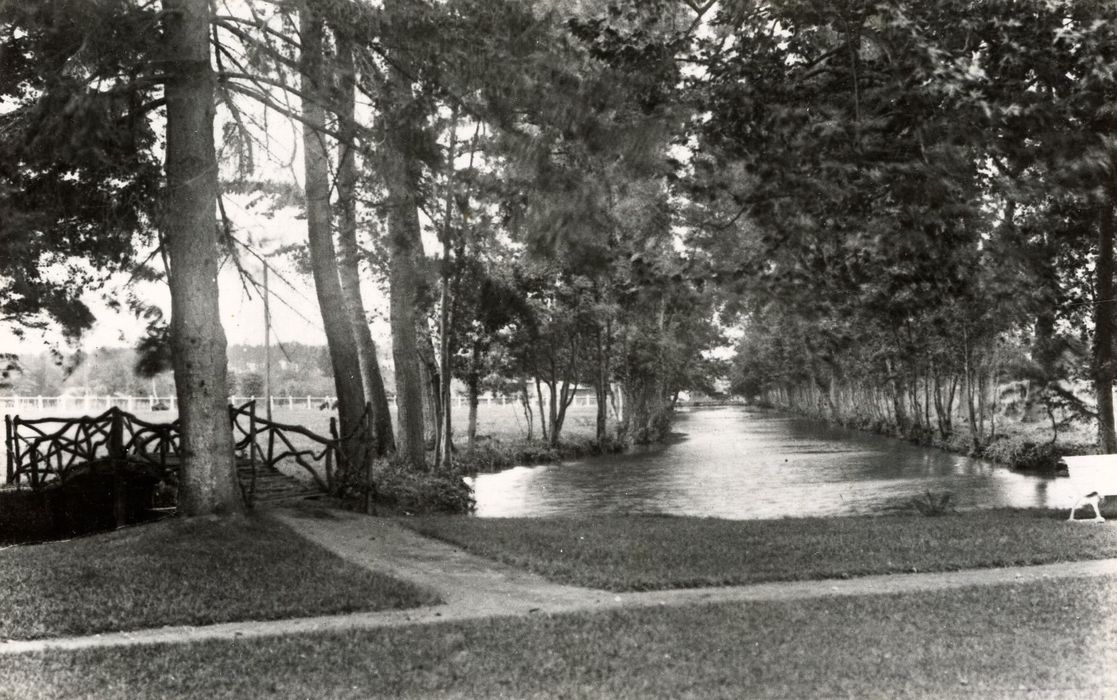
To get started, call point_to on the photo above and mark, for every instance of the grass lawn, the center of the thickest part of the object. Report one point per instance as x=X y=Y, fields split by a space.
x=657 y=552
x=1053 y=639
x=175 y=572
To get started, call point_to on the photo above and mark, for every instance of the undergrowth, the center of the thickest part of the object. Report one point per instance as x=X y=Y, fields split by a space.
x=495 y=455
x=401 y=488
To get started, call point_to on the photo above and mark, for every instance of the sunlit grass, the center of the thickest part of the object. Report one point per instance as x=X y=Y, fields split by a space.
x=176 y=572
x=1035 y=640
x=660 y=552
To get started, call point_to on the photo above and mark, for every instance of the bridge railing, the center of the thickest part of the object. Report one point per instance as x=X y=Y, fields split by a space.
x=42 y=450
x=267 y=443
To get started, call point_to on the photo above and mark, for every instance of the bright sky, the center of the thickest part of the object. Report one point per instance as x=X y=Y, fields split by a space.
x=294 y=307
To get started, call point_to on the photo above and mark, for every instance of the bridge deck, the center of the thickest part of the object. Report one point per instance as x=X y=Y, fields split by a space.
x=273 y=485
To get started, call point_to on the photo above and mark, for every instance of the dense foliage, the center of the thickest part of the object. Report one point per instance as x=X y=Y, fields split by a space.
x=915 y=205
x=907 y=208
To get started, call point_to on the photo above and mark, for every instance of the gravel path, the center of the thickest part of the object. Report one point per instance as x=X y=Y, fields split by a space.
x=475 y=588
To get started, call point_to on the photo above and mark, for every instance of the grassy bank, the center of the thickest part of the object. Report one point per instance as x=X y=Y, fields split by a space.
x=495 y=456
x=1004 y=641
x=1029 y=447
x=1024 y=446
x=180 y=572
x=659 y=552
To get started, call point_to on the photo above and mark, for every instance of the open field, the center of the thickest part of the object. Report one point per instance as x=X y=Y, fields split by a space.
x=503 y=422
x=659 y=552
x=174 y=572
x=1052 y=639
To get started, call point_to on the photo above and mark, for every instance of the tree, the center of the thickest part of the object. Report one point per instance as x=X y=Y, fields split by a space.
x=348 y=254
x=401 y=125
x=1046 y=99
x=907 y=190
x=251 y=384
x=346 y=365
x=81 y=188
x=9 y=369
x=78 y=177
x=207 y=482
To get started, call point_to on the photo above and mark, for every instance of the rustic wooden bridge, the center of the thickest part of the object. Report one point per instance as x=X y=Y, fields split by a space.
x=50 y=451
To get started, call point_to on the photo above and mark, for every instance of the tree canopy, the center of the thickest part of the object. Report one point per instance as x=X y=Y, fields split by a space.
x=901 y=205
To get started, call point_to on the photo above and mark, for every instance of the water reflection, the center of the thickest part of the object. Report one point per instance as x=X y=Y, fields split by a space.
x=741 y=463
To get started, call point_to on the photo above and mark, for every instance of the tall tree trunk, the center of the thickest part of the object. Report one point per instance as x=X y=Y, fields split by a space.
x=444 y=450
x=567 y=390
x=899 y=407
x=646 y=412
x=942 y=407
x=473 y=391
x=431 y=380
x=323 y=259
x=969 y=372
x=400 y=171
x=1104 y=360
x=403 y=224
x=542 y=409
x=552 y=409
x=601 y=386
x=349 y=256
x=207 y=477
x=525 y=404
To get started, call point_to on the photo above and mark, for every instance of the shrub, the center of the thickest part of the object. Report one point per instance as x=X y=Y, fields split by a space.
x=933 y=504
x=495 y=455
x=958 y=442
x=412 y=492
x=1025 y=455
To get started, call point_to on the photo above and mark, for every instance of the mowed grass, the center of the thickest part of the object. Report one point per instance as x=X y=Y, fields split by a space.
x=659 y=552
x=1032 y=640
x=183 y=572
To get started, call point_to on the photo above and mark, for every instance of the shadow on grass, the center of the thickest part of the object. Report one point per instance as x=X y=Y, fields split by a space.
x=184 y=572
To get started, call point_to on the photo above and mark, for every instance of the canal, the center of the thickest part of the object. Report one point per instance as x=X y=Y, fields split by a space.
x=744 y=463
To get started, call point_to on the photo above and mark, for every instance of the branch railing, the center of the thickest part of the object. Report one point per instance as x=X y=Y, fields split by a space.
x=43 y=450
x=266 y=443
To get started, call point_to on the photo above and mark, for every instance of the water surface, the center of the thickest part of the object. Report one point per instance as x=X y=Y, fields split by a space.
x=743 y=463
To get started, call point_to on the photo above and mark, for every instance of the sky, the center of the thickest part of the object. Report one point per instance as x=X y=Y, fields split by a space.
x=294 y=307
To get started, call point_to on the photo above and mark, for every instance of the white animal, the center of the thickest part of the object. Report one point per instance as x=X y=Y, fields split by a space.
x=1093 y=499
x=1094 y=475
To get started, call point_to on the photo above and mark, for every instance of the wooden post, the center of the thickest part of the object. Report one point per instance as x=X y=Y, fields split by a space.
x=117 y=461
x=9 y=448
x=252 y=452
x=330 y=454
x=34 y=454
x=267 y=345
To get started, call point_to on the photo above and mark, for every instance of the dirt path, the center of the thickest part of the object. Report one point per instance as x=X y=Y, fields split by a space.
x=475 y=588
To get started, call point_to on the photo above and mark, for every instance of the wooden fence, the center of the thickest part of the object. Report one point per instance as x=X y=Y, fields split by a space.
x=69 y=404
